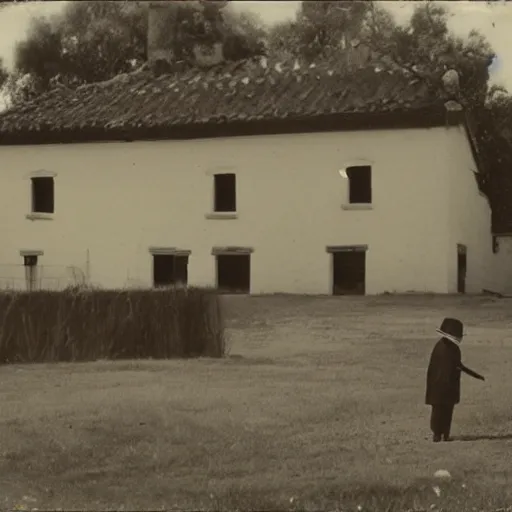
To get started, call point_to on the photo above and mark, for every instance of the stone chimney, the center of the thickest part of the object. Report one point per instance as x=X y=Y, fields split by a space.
x=163 y=19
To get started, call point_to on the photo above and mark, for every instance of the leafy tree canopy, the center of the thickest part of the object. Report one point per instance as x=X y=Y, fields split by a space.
x=94 y=41
x=320 y=30
x=424 y=47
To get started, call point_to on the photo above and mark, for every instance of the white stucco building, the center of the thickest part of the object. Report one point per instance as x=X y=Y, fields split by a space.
x=119 y=205
x=260 y=178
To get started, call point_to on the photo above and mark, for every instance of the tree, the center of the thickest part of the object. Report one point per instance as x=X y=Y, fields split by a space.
x=284 y=40
x=426 y=48
x=3 y=73
x=320 y=30
x=41 y=54
x=102 y=39
x=244 y=35
x=88 y=42
x=95 y=41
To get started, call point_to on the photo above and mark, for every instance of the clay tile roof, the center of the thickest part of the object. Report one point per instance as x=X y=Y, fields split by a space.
x=257 y=89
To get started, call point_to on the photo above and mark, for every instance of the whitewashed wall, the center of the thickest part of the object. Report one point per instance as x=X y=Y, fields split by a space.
x=115 y=200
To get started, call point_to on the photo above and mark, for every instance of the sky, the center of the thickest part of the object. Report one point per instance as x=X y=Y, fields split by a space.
x=494 y=21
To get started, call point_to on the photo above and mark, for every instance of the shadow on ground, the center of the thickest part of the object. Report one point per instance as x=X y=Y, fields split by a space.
x=237 y=358
x=489 y=437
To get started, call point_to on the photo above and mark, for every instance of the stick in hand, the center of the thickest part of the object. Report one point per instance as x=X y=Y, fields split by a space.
x=471 y=373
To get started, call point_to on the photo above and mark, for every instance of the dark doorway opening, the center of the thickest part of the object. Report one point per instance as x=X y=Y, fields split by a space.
x=170 y=269
x=462 y=265
x=348 y=271
x=234 y=273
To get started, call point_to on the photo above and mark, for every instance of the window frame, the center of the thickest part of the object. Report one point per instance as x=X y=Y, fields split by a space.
x=345 y=171
x=35 y=215
x=352 y=171
x=236 y=251
x=168 y=251
x=233 y=192
x=37 y=181
x=334 y=250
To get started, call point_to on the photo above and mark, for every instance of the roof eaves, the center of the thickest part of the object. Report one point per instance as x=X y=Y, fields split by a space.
x=427 y=116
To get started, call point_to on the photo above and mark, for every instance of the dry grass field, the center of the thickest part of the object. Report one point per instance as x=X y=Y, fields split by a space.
x=319 y=406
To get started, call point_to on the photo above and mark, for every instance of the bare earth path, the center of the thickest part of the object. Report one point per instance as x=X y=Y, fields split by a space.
x=320 y=406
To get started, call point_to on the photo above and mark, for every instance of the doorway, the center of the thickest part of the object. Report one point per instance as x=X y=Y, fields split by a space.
x=348 y=270
x=234 y=273
x=462 y=265
x=169 y=270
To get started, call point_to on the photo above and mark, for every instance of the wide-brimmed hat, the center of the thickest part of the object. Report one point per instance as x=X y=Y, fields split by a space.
x=451 y=329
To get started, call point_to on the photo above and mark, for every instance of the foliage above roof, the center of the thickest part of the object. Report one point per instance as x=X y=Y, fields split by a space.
x=250 y=90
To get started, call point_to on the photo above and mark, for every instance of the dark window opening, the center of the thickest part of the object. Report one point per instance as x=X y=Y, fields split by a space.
x=43 y=195
x=462 y=265
x=30 y=260
x=360 y=184
x=225 y=193
x=169 y=269
x=234 y=273
x=349 y=272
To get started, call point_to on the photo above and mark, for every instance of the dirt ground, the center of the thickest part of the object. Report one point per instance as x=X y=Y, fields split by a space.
x=319 y=406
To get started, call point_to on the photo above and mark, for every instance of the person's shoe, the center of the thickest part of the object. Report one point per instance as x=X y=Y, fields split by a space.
x=437 y=439
x=447 y=439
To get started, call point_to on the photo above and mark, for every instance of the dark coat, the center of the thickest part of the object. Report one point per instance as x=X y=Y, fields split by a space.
x=443 y=374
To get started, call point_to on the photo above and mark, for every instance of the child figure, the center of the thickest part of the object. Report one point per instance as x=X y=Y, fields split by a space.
x=443 y=378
